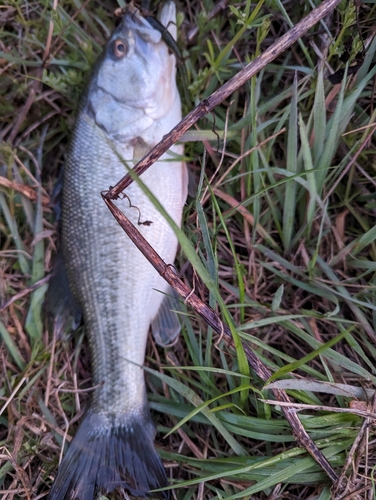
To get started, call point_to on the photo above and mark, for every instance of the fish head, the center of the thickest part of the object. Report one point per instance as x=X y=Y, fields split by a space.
x=136 y=70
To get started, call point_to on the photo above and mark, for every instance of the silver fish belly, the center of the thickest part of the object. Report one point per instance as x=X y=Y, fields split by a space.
x=132 y=101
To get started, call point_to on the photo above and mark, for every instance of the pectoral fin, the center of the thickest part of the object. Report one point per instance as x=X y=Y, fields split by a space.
x=141 y=148
x=166 y=326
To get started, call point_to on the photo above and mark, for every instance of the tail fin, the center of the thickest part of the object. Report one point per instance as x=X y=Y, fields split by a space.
x=109 y=453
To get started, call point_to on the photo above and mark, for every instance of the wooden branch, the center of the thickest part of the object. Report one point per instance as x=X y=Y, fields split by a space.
x=167 y=272
x=211 y=317
x=279 y=46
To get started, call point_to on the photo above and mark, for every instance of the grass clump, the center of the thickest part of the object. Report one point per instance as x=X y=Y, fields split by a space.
x=282 y=224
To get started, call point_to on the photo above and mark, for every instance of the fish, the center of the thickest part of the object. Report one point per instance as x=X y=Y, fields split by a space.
x=131 y=102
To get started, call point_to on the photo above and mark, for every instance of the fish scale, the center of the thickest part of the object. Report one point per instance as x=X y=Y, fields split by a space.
x=131 y=102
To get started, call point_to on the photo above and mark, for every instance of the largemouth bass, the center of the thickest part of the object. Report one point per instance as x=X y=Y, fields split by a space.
x=131 y=102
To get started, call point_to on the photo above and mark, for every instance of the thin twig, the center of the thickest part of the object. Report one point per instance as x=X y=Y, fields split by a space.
x=16 y=389
x=27 y=191
x=301 y=406
x=79 y=391
x=24 y=292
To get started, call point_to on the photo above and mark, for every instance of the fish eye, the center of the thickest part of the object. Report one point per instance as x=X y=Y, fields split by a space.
x=119 y=48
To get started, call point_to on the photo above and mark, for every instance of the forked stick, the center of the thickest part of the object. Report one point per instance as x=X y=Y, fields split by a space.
x=167 y=272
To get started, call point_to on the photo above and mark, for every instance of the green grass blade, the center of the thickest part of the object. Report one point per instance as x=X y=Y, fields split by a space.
x=311 y=180
x=291 y=166
x=193 y=398
x=319 y=117
x=12 y=225
x=12 y=347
